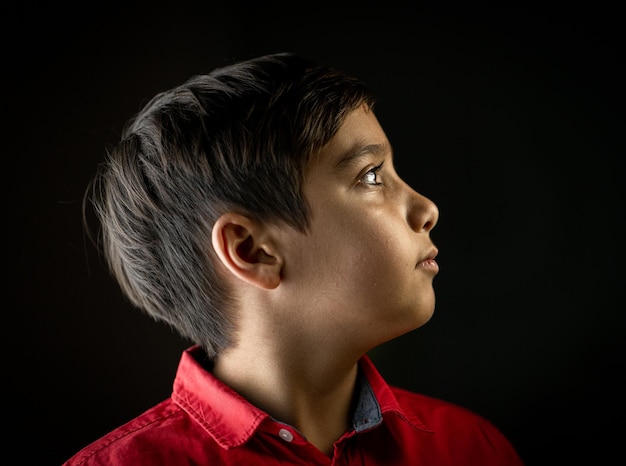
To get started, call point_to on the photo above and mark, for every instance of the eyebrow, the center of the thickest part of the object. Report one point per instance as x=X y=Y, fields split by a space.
x=358 y=152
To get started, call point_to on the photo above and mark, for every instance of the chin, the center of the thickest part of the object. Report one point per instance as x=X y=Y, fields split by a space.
x=417 y=320
x=423 y=316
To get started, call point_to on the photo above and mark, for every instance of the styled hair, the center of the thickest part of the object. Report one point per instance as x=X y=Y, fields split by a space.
x=237 y=139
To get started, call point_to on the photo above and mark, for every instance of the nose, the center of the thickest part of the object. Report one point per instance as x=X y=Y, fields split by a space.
x=422 y=213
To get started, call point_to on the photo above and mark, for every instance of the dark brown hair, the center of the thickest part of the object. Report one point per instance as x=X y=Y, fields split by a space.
x=236 y=139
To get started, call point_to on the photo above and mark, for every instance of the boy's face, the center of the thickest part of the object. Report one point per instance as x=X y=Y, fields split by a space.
x=364 y=270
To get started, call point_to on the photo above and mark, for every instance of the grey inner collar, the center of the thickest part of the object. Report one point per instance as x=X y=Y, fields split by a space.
x=367 y=414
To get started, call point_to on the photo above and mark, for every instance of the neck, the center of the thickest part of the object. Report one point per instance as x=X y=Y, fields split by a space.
x=310 y=390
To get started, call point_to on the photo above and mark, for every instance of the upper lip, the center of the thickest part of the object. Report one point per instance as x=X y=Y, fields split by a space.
x=431 y=255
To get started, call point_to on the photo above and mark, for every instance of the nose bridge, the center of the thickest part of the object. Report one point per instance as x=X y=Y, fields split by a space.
x=422 y=213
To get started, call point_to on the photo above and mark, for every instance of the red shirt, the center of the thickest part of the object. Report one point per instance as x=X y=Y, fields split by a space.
x=207 y=423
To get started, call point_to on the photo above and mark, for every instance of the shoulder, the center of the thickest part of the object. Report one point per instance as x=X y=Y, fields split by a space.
x=440 y=414
x=431 y=409
x=472 y=435
x=143 y=439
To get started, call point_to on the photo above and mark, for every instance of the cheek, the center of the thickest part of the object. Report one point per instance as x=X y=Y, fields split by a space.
x=337 y=256
x=352 y=252
x=367 y=256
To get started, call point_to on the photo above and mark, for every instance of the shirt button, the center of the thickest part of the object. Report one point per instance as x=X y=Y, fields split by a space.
x=285 y=435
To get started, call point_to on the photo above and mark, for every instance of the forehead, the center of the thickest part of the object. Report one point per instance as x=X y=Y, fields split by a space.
x=359 y=136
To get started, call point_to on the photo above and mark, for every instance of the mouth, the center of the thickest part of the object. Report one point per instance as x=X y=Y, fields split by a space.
x=428 y=262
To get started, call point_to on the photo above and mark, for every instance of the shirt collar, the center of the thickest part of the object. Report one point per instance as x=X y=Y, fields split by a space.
x=226 y=415
x=231 y=420
x=384 y=397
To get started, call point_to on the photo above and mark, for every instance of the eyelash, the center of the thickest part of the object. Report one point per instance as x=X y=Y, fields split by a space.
x=375 y=171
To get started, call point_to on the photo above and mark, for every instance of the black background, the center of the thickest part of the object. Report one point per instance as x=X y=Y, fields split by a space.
x=510 y=119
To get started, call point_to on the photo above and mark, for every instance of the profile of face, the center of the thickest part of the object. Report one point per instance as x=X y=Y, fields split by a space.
x=366 y=266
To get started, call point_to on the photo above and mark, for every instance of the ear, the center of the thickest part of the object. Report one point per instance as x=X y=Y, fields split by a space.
x=246 y=248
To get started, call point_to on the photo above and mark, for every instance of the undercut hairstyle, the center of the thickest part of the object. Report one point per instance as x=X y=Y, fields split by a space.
x=236 y=139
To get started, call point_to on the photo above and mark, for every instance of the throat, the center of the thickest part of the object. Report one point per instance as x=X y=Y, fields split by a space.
x=327 y=420
x=317 y=399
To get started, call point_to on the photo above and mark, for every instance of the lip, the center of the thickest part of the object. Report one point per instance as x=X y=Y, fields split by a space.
x=428 y=262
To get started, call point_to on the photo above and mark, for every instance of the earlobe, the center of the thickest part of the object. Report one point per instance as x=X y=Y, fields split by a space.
x=245 y=247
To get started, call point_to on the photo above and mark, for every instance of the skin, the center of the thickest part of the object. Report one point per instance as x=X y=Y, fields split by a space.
x=310 y=305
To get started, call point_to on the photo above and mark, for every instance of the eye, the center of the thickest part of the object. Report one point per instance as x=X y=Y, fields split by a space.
x=370 y=177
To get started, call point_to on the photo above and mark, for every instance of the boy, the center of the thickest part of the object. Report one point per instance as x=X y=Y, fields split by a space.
x=256 y=210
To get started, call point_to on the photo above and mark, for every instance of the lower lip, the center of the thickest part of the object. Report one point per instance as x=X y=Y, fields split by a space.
x=430 y=265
